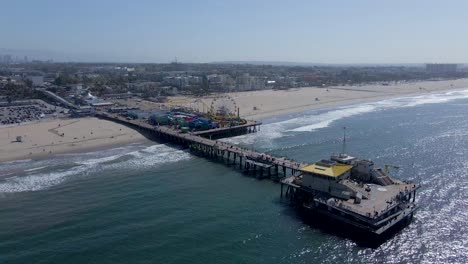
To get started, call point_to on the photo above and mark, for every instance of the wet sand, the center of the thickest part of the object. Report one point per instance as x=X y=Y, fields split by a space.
x=268 y=103
x=44 y=139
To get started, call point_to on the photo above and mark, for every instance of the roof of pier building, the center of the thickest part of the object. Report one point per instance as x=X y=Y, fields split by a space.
x=327 y=168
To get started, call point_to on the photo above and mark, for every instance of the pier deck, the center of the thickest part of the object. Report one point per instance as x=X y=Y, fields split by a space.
x=249 y=160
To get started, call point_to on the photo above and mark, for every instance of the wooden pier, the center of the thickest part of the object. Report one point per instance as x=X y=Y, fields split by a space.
x=202 y=143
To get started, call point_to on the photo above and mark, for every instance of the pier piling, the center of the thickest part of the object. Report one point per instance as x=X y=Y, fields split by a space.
x=201 y=144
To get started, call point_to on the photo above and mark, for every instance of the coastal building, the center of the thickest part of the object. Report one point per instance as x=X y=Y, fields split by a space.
x=177 y=81
x=441 y=68
x=168 y=90
x=324 y=176
x=83 y=111
x=36 y=80
x=354 y=192
x=6 y=59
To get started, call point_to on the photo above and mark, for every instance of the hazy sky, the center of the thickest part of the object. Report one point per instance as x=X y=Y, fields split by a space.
x=329 y=31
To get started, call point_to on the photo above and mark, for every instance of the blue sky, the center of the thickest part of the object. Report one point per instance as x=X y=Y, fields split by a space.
x=332 y=31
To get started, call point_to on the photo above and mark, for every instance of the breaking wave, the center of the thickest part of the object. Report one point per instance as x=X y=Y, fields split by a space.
x=37 y=182
x=321 y=119
x=40 y=178
x=325 y=119
x=35 y=169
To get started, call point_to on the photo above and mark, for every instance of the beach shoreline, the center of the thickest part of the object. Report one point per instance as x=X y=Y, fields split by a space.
x=270 y=103
x=338 y=103
x=46 y=138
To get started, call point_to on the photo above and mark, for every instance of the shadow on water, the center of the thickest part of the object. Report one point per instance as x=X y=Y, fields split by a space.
x=321 y=222
x=339 y=229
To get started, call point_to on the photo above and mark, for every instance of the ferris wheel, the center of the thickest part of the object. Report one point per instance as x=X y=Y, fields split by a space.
x=199 y=105
x=223 y=106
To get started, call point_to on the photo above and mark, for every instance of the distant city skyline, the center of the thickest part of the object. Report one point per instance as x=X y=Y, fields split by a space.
x=330 y=32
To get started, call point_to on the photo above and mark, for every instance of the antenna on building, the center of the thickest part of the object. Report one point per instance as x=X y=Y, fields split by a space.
x=343 y=151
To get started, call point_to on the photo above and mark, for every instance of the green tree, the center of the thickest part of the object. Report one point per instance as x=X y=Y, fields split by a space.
x=98 y=89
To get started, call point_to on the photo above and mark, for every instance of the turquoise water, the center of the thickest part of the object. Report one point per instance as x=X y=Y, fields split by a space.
x=149 y=203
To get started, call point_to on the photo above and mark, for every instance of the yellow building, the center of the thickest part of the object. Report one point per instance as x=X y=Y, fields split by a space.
x=324 y=176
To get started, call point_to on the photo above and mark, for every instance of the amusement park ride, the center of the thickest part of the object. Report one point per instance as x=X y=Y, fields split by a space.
x=222 y=109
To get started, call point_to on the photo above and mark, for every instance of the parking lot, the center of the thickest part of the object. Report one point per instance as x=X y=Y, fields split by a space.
x=27 y=112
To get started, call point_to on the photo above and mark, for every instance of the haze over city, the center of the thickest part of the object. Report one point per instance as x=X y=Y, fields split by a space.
x=214 y=31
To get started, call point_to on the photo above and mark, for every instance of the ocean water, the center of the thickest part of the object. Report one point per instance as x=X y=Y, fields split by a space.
x=153 y=203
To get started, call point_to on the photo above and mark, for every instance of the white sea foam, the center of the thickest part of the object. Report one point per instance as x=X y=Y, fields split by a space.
x=35 y=169
x=37 y=181
x=154 y=155
x=6 y=174
x=148 y=157
x=325 y=119
x=310 y=122
x=159 y=154
x=100 y=160
x=157 y=149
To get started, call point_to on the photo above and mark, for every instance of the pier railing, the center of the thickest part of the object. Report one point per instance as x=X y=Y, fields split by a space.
x=262 y=165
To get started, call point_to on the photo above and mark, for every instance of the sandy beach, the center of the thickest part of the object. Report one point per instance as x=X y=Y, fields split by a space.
x=43 y=139
x=47 y=138
x=270 y=103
